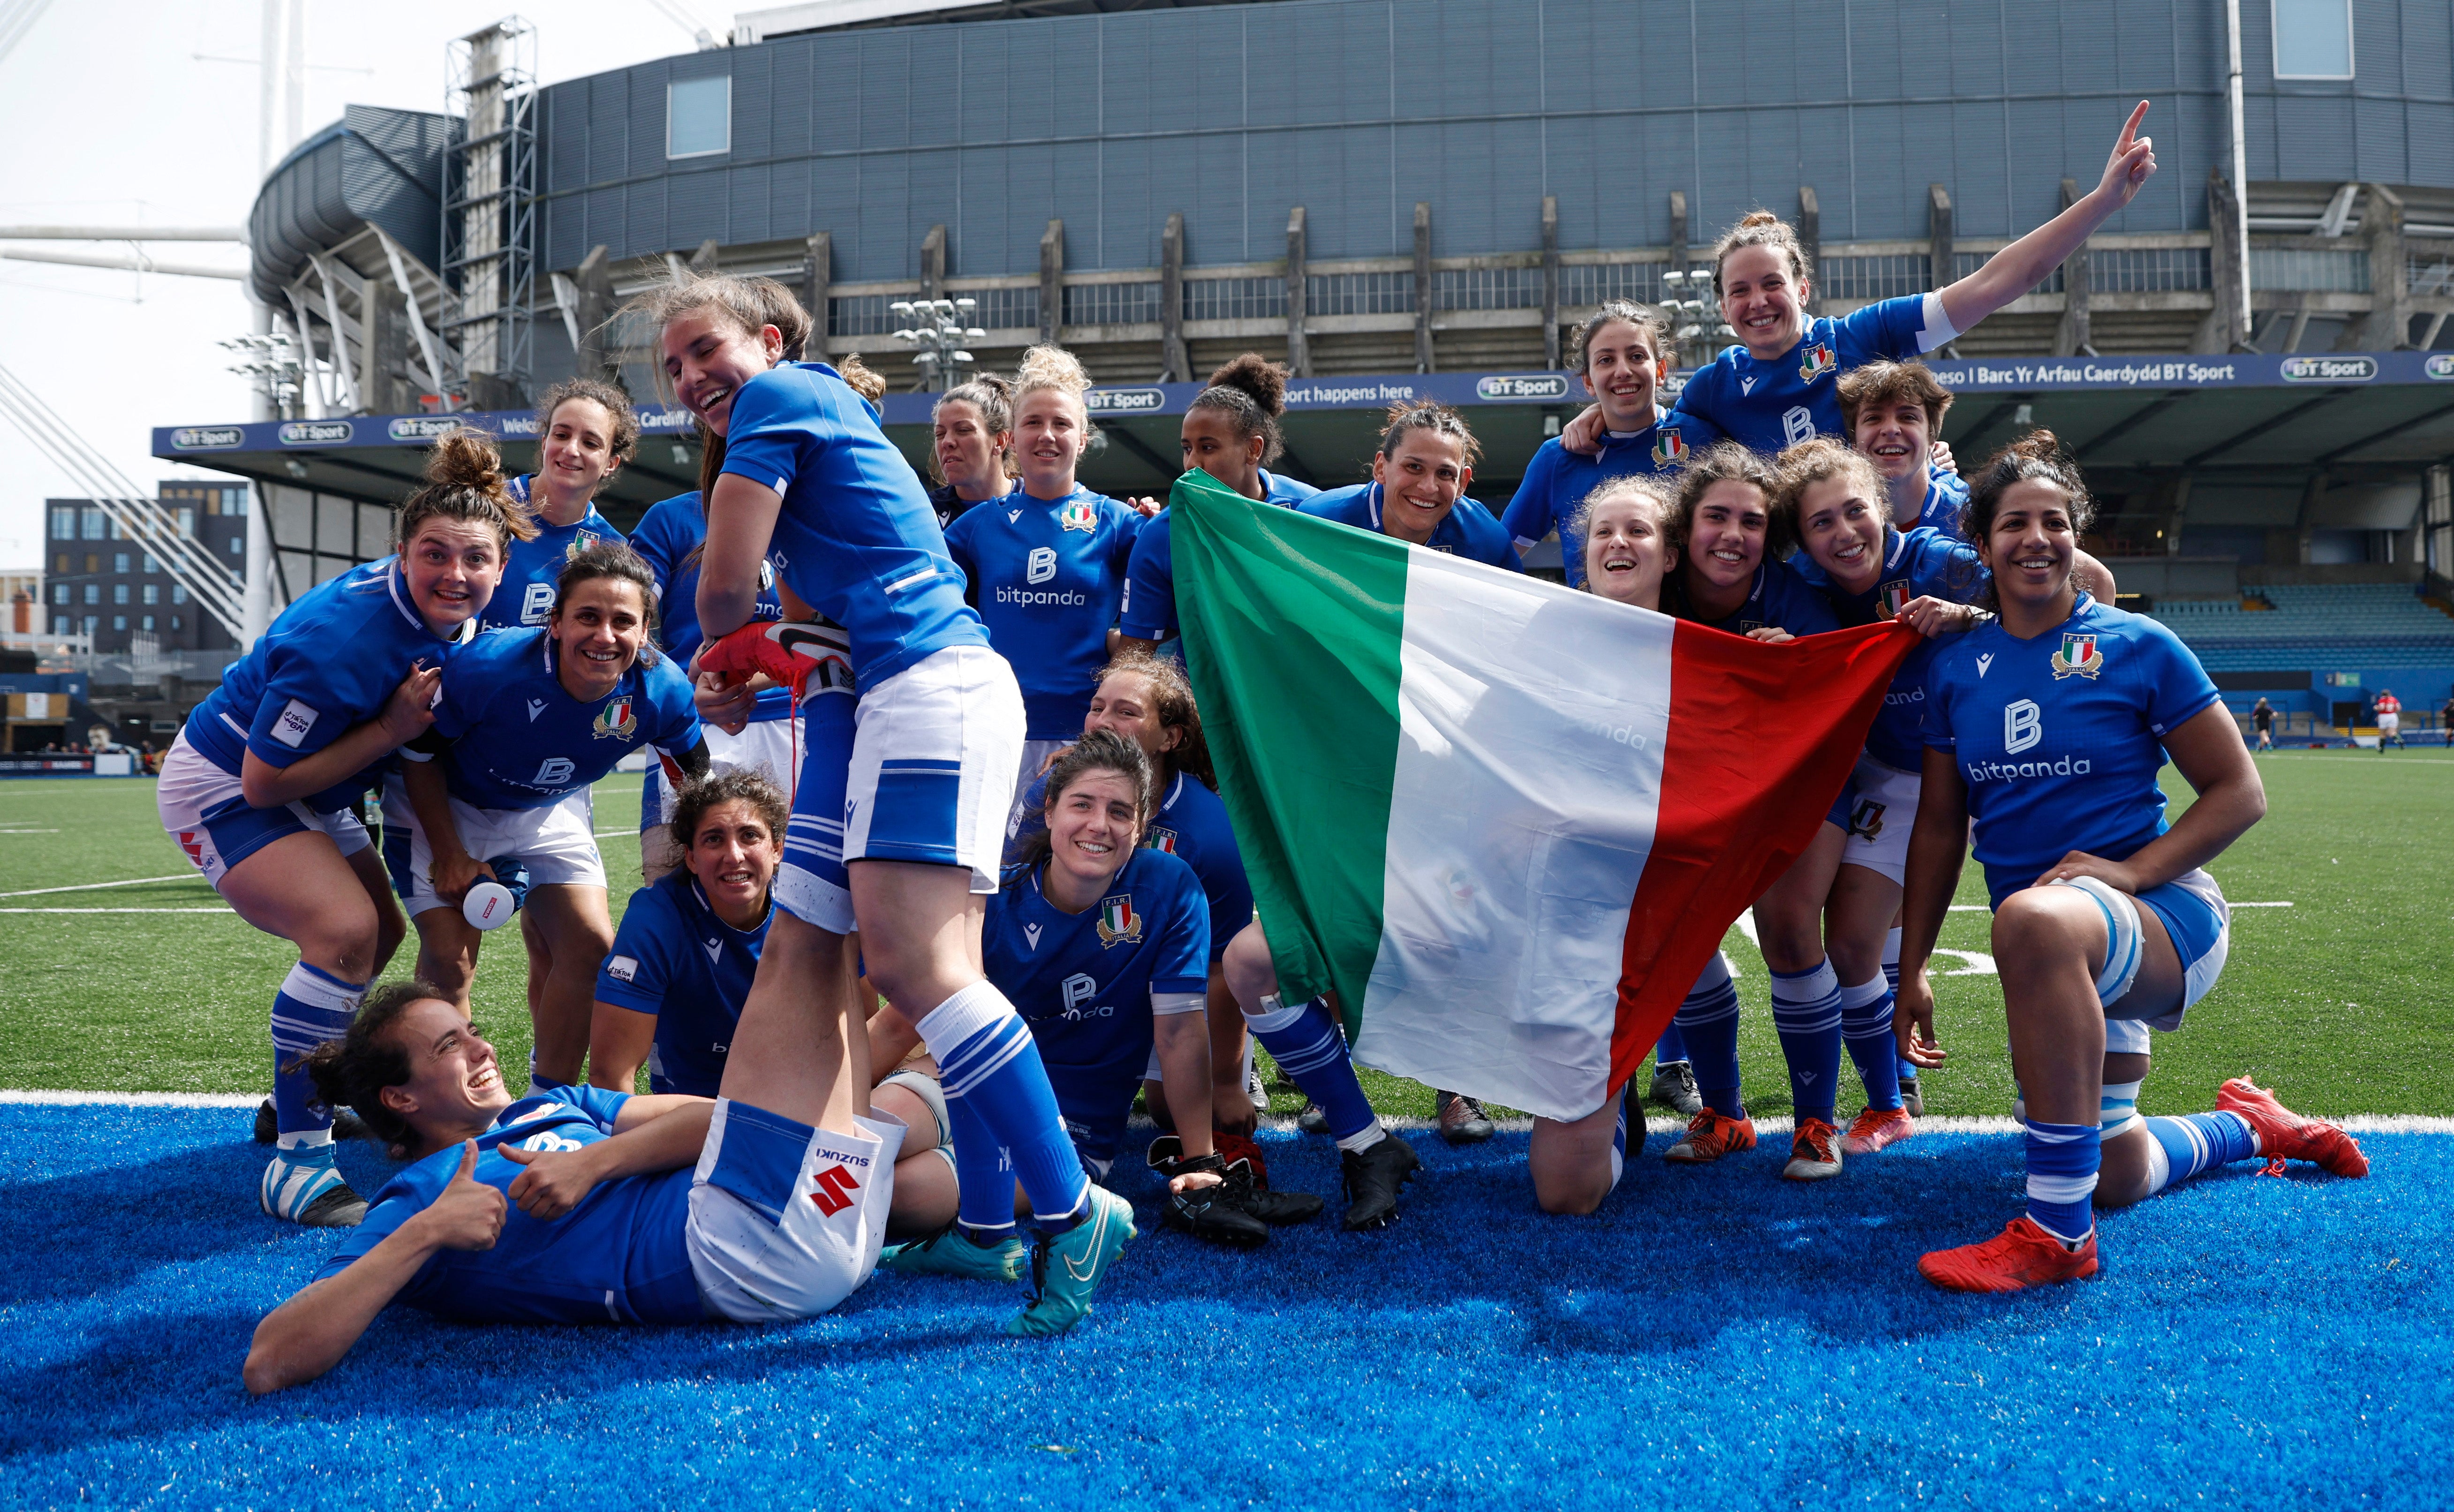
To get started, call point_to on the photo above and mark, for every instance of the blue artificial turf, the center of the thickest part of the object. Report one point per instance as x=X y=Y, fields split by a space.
x=1715 y=1338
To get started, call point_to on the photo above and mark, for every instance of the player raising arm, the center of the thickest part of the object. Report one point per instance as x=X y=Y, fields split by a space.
x=2047 y=728
x=527 y=721
x=914 y=809
x=344 y=677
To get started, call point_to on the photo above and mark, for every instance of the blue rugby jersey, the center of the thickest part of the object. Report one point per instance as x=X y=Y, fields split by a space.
x=1149 y=609
x=2060 y=738
x=1918 y=563
x=1556 y=486
x=1779 y=596
x=1471 y=531
x=521 y=741
x=618 y=1257
x=1084 y=982
x=1766 y=406
x=1048 y=575
x=525 y=596
x=668 y=534
x=857 y=538
x=676 y=959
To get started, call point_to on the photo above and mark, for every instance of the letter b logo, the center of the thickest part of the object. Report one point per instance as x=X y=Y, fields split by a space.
x=1040 y=565
x=556 y=771
x=2023 y=725
x=1078 y=989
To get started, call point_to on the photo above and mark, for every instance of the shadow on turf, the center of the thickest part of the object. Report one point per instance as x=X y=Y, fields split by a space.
x=1675 y=1257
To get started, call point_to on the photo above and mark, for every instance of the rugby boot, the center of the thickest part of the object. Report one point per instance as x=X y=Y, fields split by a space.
x=2020 y=1256
x=952 y=1252
x=1814 y=1153
x=303 y=1186
x=1371 y=1178
x=1673 y=1087
x=1462 y=1120
x=2284 y=1135
x=1873 y=1129
x=1066 y=1267
x=1709 y=1136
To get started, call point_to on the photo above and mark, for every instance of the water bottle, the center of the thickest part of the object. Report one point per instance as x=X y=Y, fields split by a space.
x=491 y=905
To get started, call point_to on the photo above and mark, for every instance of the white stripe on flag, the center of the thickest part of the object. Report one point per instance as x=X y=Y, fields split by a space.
x=1504 y=831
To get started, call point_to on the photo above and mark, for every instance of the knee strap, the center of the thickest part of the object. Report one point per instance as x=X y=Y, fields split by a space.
x=2122 y=949
x=2119 y=1109
x=926 y=1089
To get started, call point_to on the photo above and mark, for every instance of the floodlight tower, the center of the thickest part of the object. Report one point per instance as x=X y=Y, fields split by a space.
x=941 y=327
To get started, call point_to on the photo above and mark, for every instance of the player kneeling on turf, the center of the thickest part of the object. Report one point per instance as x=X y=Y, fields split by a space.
x=766 y=1203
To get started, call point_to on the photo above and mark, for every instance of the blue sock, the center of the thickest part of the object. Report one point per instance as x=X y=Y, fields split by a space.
x=1670 y=1048
x=1806 y=1013
x=1905 y=1069
x=986 y=1059
x=1708 y=1021
x=2061 y=1177
x=1866 y=1029
x=312 y=1006
x=985 y=1172
x=2196 y=1142
x=1305 y=1042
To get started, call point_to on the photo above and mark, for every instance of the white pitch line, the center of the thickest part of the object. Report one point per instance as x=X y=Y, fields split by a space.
x=1981 y=908
x=231 y=913
x=88 y=887
x=132 y=1099
x=29 y=832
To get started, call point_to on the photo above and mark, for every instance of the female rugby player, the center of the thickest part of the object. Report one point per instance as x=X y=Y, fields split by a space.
x=914 y=808
x=1834 y=502
x=1230 y=431
x=527 y=721
x=2046 y=728
x=1730 y=577
x=671 y=991
x=1621 y=357
x=586 y=431
x=972 y=446
x=344 y=677
x=1419 y=474
x=1046 y=562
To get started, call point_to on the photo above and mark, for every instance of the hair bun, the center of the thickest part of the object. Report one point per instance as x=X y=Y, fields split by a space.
x=466 y=459
x=1758 y=217
x=1051 y=367
x=1257 y=377
x=2039 y=443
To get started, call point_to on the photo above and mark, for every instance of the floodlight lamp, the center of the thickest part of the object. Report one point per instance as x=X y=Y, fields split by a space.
x=975 y=333
x=945 y=308
x=967 y=305
x=901 y=309
x=963 y=356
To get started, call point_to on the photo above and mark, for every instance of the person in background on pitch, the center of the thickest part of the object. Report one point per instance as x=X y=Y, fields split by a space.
x=2045 y=730
x=2262 y=718
x=671 y=991
x=2389 y=719
x=911 y=807
x=526 y=721
x=244 y=788
x=1230 y=431
x=971 y=446
x=1833 y=503
x=1046 y=563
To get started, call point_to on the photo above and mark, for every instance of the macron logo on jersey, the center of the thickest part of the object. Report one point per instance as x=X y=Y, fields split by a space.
x=1984 y=661
x=293 y=724
x=536 y=706
x=1031 y=936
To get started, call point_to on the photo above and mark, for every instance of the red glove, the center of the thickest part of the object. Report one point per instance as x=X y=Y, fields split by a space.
x=803 y=658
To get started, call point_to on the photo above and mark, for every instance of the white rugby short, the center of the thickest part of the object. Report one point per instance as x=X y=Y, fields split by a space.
x=933 y=758
x=557 y=843
x=787 y=1220
x=1882 y=808
x=2389 y=724
x=205 y=810
x=767 y=747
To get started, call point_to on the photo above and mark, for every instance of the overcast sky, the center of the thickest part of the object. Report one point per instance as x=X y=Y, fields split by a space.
x=117 y=121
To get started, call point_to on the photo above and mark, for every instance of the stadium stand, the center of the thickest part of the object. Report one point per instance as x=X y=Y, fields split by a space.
x=2377 y=626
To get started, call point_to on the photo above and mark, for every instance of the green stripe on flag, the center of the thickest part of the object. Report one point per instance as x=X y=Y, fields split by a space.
x=1291 y=628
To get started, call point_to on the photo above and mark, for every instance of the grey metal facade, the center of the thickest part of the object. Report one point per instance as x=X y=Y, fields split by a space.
x=1357 y=109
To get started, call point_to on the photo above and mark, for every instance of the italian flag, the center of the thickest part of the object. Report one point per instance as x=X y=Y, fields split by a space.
x=1505 y=823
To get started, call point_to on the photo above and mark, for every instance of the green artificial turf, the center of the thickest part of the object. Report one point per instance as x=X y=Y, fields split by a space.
x=2340 y=1000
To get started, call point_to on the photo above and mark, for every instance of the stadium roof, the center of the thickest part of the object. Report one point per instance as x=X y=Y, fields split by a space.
x=835 y=15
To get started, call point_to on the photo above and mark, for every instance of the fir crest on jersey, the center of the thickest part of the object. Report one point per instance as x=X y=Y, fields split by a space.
x=1893 y=596
x=2079 y=657
x=1160 y=839
x=616 y=720
x=1119 y=923
x=1668 y=448
x=1816 y=361
x=579 y=543
x=1078 y=514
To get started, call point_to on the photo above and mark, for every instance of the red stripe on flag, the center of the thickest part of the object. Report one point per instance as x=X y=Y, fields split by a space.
x=1762 y=740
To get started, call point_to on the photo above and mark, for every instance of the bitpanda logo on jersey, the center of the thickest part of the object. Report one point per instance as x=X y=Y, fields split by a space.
x=2079 y=657
x=1078 y=516
x=1119 y=923
x=616 y=719
x=1815 y=362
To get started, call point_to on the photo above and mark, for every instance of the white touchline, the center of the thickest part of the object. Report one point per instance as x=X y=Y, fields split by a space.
x=29 y=832
x=1981 y=908
x=134 y=1100
x=88 y=887
x=231 y=913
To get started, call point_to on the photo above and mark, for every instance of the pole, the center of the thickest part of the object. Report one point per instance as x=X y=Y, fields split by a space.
x=268 y=78
x=2240 y=228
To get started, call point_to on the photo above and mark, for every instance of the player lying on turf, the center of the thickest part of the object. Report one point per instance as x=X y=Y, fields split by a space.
x=2047 y=728
x=574 y=1204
